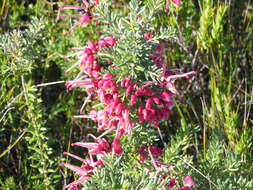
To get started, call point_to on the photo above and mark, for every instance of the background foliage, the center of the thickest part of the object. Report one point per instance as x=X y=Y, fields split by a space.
x=209 y=135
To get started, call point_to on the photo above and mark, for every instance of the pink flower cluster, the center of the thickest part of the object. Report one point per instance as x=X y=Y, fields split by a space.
x=98 y=149
x=87 y=63
x=152 y=105
x=149 y=102
x=112 y=115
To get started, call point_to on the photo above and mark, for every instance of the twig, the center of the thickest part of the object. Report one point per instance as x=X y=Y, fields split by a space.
x=12 y=145
x=199 y=172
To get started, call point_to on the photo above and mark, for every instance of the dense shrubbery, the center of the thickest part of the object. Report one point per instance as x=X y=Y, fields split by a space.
x=145 y=131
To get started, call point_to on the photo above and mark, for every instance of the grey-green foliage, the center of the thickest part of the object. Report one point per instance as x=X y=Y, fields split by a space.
x=21 y=48
x=224 y=168
x=22 y=109
x=133 y=52
x=120 y=174
x=43 y=166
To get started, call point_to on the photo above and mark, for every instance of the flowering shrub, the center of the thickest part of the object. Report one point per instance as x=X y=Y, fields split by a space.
x=129 y=87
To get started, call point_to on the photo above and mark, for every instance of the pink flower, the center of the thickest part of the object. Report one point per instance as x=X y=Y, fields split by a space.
x=129 y=89
x=188 y=181
x=84 y=19
x=73 y=187
x=116 y=146
x=166 y=95
x=101 y=43
x=92 y=45
x=87 y=51
x=148 y=35
x=133 y=99
x=96 y=2
x=171 y=87
x=141 y=149
x=119 y=108
x=87 y=61
x=99 y=163
x=147 y=92
x=79 y=171
x=77 y=83
x=125 y=123
x=108 y=76
x=125 y=82
x=148 y=103
x=176 y=2
x=110 y=41
x=140 y=114
x=155 y=152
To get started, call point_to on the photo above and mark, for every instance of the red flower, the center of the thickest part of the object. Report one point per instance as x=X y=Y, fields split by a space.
x=172 y=183
x=155 y=151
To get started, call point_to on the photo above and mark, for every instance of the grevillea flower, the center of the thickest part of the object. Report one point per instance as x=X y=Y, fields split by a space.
x=126 y=82
x=148 y=36
x=176 y=2
x=188 y=181
x=155 y=151
x=92 y=45
x=110 y=41
x=98 y=149
x=79 y=82
x=84 y=18
x=116 y=146
x=83 y=172
x=158 y=55
x=101 y=43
